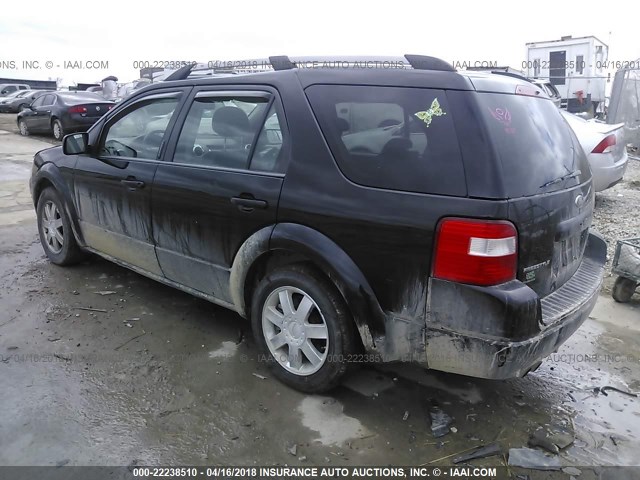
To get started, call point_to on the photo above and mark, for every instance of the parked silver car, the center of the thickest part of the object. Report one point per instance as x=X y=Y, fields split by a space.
x=604 y=146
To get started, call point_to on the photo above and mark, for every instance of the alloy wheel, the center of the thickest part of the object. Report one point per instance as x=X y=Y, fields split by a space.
x=295 y=330
x=52 y=227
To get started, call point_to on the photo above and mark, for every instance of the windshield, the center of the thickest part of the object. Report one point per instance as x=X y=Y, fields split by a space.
x=535 y=144
x=17 y=93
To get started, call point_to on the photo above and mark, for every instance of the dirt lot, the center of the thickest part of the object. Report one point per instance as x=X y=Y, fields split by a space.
x=150 y=375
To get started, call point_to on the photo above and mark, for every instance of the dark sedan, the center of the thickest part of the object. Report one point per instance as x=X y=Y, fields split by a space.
x=21 y=101
x=60 y=113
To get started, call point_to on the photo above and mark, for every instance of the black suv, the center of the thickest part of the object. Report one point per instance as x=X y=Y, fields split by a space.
x=405 y=212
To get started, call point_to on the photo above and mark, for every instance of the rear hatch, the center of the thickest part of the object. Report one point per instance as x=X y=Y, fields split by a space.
x=547 y=180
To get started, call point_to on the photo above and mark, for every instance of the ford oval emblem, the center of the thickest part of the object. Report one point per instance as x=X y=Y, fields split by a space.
x=579 y=201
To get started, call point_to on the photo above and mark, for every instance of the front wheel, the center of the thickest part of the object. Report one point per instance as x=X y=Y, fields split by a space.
x=623 y=289
x=302 y=328
x=55 y=231
x=58 y=131
x=24 y=130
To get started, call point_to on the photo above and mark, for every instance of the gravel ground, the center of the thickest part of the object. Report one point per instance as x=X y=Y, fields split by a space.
x=617 y=213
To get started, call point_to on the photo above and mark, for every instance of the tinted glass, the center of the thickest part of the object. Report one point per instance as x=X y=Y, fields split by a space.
x=140 y=132
x=38 y=102
x=534 y=143
x=81 y=96
x=48 y=100
x=267 y=156
x=396 y=138
x=219 y=132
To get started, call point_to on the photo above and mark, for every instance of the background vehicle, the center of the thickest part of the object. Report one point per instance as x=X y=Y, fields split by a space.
x=62 y=112
x=7 y=88
x=427 y=216
x=20 y=101
x=550 y=90
x=605 y=147
x=128 y=88
x=626 y=264
x=6 y=100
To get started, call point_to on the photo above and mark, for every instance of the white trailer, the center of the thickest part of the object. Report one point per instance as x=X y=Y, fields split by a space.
x=576 y=66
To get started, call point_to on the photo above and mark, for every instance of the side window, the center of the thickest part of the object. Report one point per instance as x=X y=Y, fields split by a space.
x=268 y=152
x=38 y=102
x=580 y=64
x=220 y=131
x=23 y=87
x=48 y=100
x=140 y=131
x=388 y=137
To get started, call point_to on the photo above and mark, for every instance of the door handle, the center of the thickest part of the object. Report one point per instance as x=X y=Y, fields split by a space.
x=132 y=184
x=248 y=204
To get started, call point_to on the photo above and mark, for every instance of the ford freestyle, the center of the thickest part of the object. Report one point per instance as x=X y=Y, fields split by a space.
x=400 y=212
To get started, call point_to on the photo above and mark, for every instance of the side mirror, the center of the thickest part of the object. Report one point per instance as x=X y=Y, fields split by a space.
x=75 y=143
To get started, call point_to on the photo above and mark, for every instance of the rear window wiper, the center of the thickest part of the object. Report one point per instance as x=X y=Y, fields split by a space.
x=562 y=179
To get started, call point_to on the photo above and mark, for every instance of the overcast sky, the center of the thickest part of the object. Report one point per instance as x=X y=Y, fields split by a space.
x=122 y=32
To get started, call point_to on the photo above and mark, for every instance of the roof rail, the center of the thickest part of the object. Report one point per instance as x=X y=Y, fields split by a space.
x=283 y=62
x=423 y=62
x=181 y=73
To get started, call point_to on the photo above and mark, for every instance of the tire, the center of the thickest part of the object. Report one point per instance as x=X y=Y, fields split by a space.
x=623 y=289
x=327 y=316
x=58 y=130
x=24 y=130
x=55 y=231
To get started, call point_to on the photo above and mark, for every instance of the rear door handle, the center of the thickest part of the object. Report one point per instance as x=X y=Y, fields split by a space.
x=132 y=184
x=245 y=204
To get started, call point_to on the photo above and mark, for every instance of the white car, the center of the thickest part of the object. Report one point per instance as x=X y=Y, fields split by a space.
x=605 y=148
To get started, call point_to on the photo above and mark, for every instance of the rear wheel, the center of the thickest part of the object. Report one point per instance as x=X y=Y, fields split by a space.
x=302 y=328
x=58 y=131
x=623 y=289
x=24 y=130
x=55 y=231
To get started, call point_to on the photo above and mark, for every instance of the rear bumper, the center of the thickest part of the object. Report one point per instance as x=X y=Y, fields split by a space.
x=505 y=331
x=606 y=173
x=76 y=122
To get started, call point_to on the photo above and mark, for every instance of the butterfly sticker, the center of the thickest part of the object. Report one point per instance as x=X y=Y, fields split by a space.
x=434 y=111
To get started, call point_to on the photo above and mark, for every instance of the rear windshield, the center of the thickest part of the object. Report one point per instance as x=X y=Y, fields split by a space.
x=535 y=144
x=394 y=138
x=82 y=95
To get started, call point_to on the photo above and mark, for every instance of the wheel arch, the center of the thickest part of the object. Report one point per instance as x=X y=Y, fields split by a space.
x=287 y=243
x=49 y=176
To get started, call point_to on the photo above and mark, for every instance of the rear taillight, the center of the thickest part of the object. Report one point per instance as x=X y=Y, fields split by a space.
x=78 y=109
x=479 y=252
x=606 y=145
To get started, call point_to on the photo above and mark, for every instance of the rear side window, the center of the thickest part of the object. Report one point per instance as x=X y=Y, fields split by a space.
x=395 y=138
x=535 y=145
